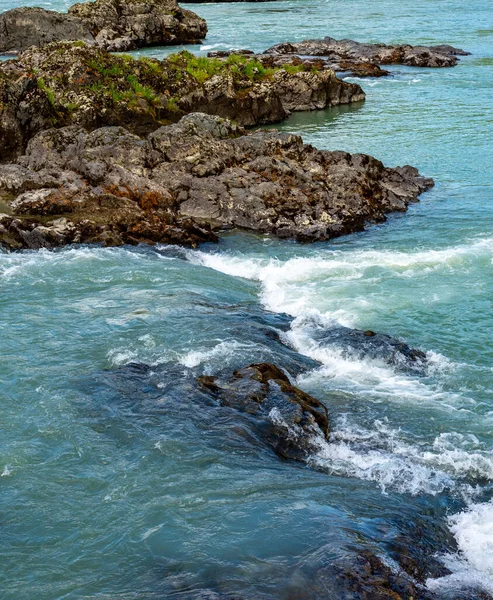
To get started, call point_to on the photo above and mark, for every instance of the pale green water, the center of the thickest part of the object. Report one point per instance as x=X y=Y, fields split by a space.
x=107 y=493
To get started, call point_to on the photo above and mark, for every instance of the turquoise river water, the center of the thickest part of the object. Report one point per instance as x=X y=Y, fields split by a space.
x=108 y=491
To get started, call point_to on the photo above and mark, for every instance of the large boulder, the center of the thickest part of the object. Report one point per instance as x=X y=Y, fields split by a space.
x=188 y=179
x=126 y=25
x=73 y=83
x=109 y=24
x=21 y=28
x=350 y=52
x=290 y=420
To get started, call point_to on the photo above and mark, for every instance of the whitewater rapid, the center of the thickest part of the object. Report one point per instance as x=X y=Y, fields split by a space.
x=304 y=287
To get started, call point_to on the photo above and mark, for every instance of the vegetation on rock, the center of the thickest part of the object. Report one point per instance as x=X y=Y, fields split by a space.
x=73 y=83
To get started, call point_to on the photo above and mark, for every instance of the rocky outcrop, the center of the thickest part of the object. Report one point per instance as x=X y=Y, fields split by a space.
x=347 y=67
x=120 y=25
x=110 y=24
x=186 y=180
x=66 y=83
x=349 y=52
x=21 y=28
x=288 y=419
x=351 y=58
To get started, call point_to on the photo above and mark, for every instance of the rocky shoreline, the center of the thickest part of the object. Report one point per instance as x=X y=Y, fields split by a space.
x=69 y=83
x=350 y=57
x=106 y=149
x=379 y=54
x=186 y=181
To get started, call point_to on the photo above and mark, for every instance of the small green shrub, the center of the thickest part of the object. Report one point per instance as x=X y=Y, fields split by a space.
x=47 y=91
x=293 y=68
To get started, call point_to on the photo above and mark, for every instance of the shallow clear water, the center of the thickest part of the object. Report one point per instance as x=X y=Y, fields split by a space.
x=114 y=488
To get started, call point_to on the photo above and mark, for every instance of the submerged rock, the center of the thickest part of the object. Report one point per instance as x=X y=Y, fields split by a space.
x=290 y=420
x=368 y=344
x=110 y=24
x=369 y=578
x=186 y=180
x=67 y=83
x=349 y=51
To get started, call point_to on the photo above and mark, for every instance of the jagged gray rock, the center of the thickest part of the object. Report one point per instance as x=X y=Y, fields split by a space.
x=23 y=27
x=186 y=180
x=65 y=83
x=349 y=51
x=114 y=25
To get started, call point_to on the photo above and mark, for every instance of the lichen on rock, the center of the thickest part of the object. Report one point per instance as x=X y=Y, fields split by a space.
x=74 y=83
x=188 y=180
x=115 y=25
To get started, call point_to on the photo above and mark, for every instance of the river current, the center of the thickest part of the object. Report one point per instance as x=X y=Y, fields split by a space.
x=109 y=490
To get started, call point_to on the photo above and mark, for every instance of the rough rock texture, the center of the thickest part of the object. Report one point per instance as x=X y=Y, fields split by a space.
x=349 y=51
x=110 y=24
x=185 y=179
x=290 y=420
x=369 y=578
x=66 y=83
x=21 y=28
x=353 y=68
x=128 y=24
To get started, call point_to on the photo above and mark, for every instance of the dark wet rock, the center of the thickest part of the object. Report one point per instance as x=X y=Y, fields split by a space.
x=290 y=420
x=349 y=51
x=368 y=344
x=369 y=578
x=189 y=179
x=110 y=24
x=73 y=83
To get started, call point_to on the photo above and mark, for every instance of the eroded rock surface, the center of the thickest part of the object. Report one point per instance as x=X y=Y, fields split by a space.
x=186 y=180
x=66 y=83
x=129 y=24
x=349 y=51
x=21 y=28
x=110 y=24
x=290 y=420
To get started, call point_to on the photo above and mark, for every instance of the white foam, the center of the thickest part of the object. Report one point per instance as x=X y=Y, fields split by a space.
x=221 y=354
x=472 y=566
x=395 y=462
x=291 y=286
x=302 y=286
x=29 y=264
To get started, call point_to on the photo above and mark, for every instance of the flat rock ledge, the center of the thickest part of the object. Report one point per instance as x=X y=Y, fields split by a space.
x=186 y=181
x=344 y=53
x=73 y=83
x=114 y=25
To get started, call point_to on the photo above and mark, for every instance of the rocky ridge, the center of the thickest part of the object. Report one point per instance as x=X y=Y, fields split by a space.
x=73 y=83
x=351 y=58
x=110 y=24
x=186 y=181
x=347 y=52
